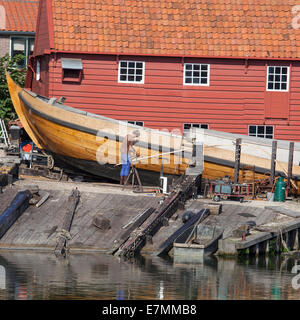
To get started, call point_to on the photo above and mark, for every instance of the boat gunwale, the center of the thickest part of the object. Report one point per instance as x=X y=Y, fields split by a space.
x=219 y=161
x=96 y=116
x=98 y=133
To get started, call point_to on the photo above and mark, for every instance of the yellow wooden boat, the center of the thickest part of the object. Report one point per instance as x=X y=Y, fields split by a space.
x=91 y=143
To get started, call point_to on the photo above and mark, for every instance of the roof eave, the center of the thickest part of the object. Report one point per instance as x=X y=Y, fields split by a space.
x=171 y=55
x=19 y=33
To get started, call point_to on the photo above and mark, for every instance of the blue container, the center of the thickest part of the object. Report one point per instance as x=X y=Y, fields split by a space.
x=225 y=188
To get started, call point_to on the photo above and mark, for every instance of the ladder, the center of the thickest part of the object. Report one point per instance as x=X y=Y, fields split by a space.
x=3 y=133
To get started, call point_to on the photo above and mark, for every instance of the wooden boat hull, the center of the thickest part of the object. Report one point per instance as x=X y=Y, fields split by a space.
x=108 y=171
x=92 y=143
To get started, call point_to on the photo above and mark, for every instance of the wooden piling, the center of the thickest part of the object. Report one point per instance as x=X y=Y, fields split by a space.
x=273 y=162
x=290 y=165
x=252 y=250
x=296 y=244
x=267 y=247
x=257 y=249
x=237 y=159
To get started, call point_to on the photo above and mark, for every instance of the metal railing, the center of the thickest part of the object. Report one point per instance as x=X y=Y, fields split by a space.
x=3 y=133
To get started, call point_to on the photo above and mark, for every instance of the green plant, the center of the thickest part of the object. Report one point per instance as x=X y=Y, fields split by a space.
x=16 y=68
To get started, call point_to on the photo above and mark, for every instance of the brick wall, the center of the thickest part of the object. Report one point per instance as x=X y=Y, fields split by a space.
x=4 y=45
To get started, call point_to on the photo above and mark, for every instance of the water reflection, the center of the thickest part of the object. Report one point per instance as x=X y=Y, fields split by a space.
x=94 y=276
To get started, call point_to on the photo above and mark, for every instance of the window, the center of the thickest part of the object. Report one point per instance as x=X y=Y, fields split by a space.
x=188 y=126
x=131 y=71
x=38 y=71
x=278 y=79
x=196 y=74
x=22 y=45
x=30 y=47
x=72 y=69
x=261 y=131
x=137 y=123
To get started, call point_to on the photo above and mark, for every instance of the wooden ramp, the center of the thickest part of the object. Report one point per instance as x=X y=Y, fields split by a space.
x=40 y=228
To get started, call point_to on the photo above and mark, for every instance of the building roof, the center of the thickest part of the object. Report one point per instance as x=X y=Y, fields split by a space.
x=213 y=28
x=20 y=15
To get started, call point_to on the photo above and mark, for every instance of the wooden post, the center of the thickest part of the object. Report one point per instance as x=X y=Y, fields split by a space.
x=290 y=165
x=257 y=249
x=296 y=243
x=237 y=160
x=66 y=227
x=273 y=162
x=267 y=250
x=252 y=250
x=278 y=244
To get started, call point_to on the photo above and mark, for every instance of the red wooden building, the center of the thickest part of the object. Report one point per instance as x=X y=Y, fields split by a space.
x=229 y=65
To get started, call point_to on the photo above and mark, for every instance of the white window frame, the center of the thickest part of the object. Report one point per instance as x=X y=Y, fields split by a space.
x=287 y=81
x=192 y=126
x=265 y=127
x=135 y=82
x=197 y=84
x=134 y=122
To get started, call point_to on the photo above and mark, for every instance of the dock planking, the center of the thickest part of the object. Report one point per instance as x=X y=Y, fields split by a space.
x=231 y=217
x=38 y=228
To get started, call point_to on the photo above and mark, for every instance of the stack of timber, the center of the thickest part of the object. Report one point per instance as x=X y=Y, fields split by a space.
x=8 y=169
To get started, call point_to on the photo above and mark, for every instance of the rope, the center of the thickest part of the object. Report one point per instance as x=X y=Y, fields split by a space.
x=62 y=233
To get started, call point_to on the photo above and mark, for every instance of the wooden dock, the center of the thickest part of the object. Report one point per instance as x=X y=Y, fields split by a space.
x=274 y=229
x=107 y=215
x=39 y=228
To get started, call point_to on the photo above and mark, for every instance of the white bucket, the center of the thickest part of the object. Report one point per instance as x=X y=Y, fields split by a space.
x=270 y=196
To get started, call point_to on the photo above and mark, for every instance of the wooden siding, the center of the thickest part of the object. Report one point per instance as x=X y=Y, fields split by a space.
x=235 y=98
x=41 y=86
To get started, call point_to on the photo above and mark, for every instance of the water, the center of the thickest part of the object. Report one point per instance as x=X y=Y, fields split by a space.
x=95 y=276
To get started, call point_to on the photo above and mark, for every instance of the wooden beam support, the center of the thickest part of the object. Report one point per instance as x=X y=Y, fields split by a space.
x=67 y=224
x=142 y=217
x=290 y=165
x=237 y=159
x=273 y=162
